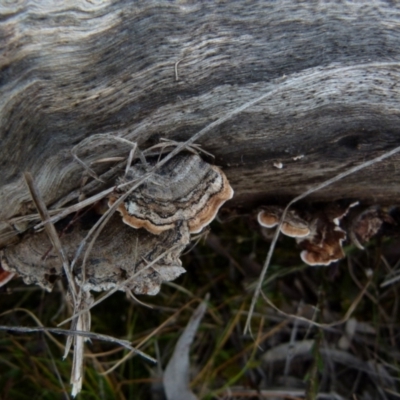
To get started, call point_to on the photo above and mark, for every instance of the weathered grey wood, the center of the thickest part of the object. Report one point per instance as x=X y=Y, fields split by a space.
x=70 y=70
x=120 y=258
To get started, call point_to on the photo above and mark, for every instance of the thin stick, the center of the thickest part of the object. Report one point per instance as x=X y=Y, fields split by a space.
x=87 y=168
x=75 y=207
x=67 y=332
x=50 y=230
x=283 y=216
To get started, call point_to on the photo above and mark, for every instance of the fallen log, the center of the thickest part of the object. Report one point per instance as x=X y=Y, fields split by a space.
x=71 y=72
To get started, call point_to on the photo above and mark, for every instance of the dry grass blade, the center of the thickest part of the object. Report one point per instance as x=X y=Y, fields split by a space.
x=77 y=359
x=393 y=276
x=74 y=208
x=136 y=300
x=152 y=334
x=82 y=324
x=194 y=148
x=89 y=171
x=51 y=231
x=302 y=196
x=85 y=334
x=108 y=160
x=348 y=314
x=390 y=281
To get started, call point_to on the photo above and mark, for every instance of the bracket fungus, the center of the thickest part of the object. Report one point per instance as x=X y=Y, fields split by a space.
x=119 y=257
x=323 y=245
x=180 y=198
x=368 y=223
x=184 y=189
x=318 y=234
x=293 y=225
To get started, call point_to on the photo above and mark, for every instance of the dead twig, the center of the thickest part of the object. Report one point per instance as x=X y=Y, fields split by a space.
x=51 y=231
x=89 y=335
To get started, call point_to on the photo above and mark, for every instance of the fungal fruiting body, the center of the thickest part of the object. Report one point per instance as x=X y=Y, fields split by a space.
x=319 y=235
x=180 y=198
x=121 y=257
x=186 y=188
x=324 y=244
x=367 y=224
x=292 y=226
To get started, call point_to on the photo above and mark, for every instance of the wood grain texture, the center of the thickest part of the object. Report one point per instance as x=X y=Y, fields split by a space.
x=71 y=70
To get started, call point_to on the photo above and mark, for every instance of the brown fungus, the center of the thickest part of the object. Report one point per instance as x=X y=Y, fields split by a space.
x=324 y=244
x=185 y=189
x=292 y=226
x=365 y=225
x=118 y=253
x=180 y=198
x=317 y=233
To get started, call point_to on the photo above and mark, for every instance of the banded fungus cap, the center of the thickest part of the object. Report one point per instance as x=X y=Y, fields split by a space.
x=292 y=226
x=186 y=188
x=319 y=235
x=315 y=258
x=323 y=246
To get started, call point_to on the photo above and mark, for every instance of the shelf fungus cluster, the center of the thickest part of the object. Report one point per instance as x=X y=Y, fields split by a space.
x=179 y=198
x=186 y=189
x=319 y=234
